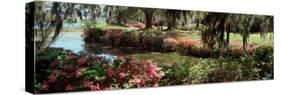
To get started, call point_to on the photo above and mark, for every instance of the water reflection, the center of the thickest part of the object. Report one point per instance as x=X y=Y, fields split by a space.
x=74 y=41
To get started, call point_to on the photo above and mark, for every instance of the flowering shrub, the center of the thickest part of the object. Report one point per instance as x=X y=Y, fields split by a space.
x=170 y=44
x=71 y=72
x=139 y=25
x=111 y=37
x=185 y=46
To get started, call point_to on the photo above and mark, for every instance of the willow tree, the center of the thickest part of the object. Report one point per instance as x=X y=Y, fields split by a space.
x=244 y=23
x=216 y=26
x=174 y=15
x=49 y=19
x=124 y=14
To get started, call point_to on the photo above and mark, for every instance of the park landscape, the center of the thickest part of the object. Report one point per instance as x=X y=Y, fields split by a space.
x=104 y=47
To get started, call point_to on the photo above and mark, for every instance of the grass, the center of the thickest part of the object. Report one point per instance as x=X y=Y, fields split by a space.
x=105 y=26
x=236 y=39
x=164 y=58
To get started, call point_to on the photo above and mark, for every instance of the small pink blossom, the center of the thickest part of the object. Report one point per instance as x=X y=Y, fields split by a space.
x=87 y=83
x=95 y=87
x=53 y=77
x=45 y=86
x=82 y=60
x=122 y=74
x=111 y=72
x=79 y=72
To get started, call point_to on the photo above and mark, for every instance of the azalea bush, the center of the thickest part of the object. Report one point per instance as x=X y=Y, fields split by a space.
x=186 y=46
x=130 y=38
x=138 y=24
x=93 y=35
x=152 y=40
x=111 y=37
x=170 y=45
x=78 y=72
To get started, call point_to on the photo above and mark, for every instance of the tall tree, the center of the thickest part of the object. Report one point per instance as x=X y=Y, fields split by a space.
x=148 y=14
x=49 y=21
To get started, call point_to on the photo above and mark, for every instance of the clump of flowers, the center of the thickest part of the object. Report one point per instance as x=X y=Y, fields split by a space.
x=187 y=43
x=170 y=44
x=186 y=46
x=69 y=72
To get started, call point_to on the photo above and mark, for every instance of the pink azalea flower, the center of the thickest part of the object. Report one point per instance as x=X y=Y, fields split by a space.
x=45 y=86
x=69 y=87
x=87 y=83
x=53 y=77
x=79 y=72
x=82 y=60
x=111 y=72
x=95 y=87
x=122 y=74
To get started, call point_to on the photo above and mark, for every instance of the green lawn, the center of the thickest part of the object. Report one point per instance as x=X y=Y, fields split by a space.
x=105 y=26
x=236 y=39
x=164 y=58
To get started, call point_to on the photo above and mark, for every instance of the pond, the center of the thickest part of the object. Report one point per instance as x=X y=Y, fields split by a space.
x=74 y=41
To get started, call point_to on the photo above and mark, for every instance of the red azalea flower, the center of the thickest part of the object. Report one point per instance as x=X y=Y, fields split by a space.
x=53 y=78
x=69 y=87
x=82 y=60
x=87 y=83
x=45 y=86
x=111 y=72
x=122 y=74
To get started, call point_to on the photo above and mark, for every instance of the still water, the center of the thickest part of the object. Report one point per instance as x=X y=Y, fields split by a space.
x=74 y=41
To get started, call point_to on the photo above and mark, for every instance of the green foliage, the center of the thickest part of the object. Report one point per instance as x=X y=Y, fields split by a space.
x=176 y=74
x=264 y=54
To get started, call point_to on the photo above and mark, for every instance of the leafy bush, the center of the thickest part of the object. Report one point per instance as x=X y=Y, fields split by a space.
x=264 y=53
x=93 y=35
x=199 y=70
x=170 y=44
x=201 y=52
x=176 y=74
x=151 y=40
x=130 y=38
x=227 y=72
x=111 y=37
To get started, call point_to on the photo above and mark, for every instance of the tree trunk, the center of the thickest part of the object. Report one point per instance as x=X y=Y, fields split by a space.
x=148 y=19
